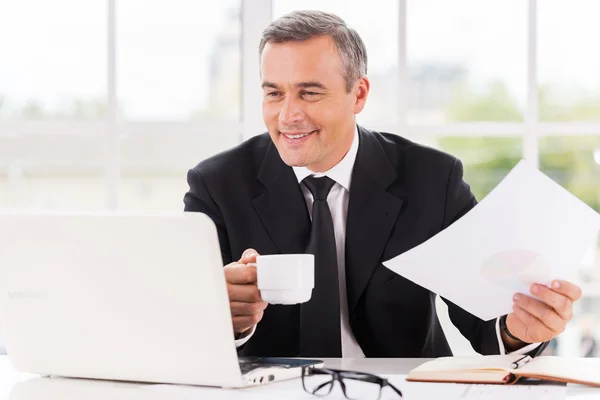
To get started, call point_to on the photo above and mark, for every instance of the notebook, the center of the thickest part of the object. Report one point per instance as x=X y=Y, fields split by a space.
x=507 y=369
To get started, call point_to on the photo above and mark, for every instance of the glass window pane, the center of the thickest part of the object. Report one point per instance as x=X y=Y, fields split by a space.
x=154 y=165
x=376 y=22
x=568 y=64
x=179 y=60
x=467 y=60
x=53 y=67
x=574 y=162
x=53 y=61
x=486 y=160
x=69 y=176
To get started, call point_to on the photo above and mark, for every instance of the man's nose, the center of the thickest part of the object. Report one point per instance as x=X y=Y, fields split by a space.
x=291 y=113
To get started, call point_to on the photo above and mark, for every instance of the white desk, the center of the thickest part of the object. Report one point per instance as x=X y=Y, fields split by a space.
x=19 y=386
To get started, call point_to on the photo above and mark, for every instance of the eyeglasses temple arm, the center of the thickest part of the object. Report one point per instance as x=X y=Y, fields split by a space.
x=394 y=388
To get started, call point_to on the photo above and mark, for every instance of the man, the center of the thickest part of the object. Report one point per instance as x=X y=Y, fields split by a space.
x=318 y=183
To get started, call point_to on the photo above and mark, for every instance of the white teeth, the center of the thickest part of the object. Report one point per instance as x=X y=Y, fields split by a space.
x=298 y=136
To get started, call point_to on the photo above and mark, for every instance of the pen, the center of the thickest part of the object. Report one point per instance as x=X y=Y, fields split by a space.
x=521 y=361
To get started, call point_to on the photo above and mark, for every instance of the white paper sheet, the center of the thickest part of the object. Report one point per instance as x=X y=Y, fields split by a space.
x=528 y=229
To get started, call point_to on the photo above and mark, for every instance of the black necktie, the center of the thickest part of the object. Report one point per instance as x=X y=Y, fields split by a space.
x=320 y=332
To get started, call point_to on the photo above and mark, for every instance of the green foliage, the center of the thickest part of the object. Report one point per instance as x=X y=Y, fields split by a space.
x=71 y=109
x=33 y=110
x=553 y=107
x=569 y=160
x=83 y=109
x=486 y=159
x=494 y=104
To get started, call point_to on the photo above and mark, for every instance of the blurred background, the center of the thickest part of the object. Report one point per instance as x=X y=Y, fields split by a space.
x=105 y=104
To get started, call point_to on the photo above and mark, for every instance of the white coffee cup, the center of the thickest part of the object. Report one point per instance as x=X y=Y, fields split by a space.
x=285 y=278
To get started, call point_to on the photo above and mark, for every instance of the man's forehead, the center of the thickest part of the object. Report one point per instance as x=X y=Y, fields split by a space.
x=300 y=54
x=323 y=43
x=286 y=66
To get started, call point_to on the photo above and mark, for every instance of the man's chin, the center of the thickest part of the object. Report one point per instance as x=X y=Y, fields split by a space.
x=294 y=162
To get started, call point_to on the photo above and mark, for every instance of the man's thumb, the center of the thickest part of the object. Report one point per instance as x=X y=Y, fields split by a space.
x=249 y=256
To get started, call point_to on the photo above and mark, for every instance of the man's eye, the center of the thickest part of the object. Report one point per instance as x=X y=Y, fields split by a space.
x=312 y=93
x=273 y=94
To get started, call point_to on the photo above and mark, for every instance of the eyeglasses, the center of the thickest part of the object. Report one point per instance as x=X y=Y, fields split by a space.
x=355 y=385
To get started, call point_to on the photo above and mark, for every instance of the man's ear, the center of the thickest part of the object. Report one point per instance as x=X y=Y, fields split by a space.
x=361 y=92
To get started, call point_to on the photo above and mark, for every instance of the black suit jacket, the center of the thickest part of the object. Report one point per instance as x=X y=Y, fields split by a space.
x=402 y=194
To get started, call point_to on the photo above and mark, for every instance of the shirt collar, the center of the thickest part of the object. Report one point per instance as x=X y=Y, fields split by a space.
x=341 y=172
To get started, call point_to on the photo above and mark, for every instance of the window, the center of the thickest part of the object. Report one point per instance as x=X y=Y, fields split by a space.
x=179 y=87
x=179 y=60
x=467 y=61
x=486 y=160
x=54 y=63
x=52 y=95
x=569 y=80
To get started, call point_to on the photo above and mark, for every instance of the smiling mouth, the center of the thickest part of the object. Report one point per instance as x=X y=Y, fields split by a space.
x=296 y=136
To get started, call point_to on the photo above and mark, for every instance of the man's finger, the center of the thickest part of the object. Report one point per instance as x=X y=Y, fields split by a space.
x=535 y=330
x=249 y=256
x=571 y=290
x=516 y=325
x=543 y=312
x=239 y=308
x=244 y=293
x=240 y=274
x=561 y=304
x=241 y=324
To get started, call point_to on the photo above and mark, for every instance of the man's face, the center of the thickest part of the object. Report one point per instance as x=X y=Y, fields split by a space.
x=306 y=108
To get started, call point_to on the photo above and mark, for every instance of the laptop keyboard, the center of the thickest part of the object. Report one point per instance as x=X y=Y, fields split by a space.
x=248 y=364
x=247 y=367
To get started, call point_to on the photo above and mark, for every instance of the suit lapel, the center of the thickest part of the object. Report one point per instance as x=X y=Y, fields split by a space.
x=372 y=214
x=281 y=206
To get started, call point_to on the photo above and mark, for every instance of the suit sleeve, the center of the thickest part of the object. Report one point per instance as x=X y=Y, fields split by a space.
x=199 y=199
x=484 y=336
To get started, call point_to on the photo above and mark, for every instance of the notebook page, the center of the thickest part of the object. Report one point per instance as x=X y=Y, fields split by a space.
x=469 y=363
x=581 y=369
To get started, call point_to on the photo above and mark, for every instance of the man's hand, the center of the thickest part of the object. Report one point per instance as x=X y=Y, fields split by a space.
x=245 y=301
x=544 y=317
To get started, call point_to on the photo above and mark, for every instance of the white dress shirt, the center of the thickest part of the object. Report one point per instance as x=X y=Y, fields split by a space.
x=337 y=200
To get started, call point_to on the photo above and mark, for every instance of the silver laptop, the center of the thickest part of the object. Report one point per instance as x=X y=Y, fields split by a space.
x=122 y=296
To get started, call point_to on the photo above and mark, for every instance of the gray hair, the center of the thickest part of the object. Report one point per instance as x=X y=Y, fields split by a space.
x=304 y=25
